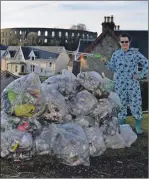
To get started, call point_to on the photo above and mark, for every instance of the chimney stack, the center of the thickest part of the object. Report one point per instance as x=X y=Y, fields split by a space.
x=108 y=23
x=105 y=19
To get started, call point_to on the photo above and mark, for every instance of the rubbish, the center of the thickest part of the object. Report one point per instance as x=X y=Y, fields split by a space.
x=8 y=122
x=115 y=141
x=71 y=118
x=15 y=140
x=23 y=127
x=22 y=96
x=86 y=121
x=128 y=135
x=66 y=83
x=82 y=103
x=108 y=85
x=71 y=145
x=91 y=80
x=96 y=141
x=115 y=99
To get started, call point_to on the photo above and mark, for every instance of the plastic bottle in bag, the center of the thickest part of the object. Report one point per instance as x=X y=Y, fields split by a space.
x=108 y=85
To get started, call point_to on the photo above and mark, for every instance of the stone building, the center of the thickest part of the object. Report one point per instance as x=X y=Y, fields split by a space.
x=48 y=36
x=108 y=42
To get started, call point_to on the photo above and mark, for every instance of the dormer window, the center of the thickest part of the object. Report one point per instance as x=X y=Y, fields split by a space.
x=50 y=64
x=32 y=55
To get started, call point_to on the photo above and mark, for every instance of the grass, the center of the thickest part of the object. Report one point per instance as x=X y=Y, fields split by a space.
x=131 y=121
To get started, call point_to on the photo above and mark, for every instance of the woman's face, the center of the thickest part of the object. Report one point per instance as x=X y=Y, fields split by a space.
x=124 y=43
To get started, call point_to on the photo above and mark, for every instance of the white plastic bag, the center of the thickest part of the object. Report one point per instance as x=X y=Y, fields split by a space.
x=91 y=80
x=96 y=141
x=128 y=135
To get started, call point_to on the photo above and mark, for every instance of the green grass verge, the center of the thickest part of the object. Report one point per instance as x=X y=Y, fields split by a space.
x=131 y=121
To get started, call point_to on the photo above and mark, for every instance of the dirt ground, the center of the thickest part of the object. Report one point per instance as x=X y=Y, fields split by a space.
x=123 y=163
x=114 y=163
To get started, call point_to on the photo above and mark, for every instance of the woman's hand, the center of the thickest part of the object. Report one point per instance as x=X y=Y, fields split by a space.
x=136 y=77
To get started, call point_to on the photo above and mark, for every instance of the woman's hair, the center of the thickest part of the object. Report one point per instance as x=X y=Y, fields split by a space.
x=125 y=35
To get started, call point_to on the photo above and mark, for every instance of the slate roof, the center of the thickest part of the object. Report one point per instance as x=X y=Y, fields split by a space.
x=139 y=39
x=40 y=54
x=85 y=44
x=3 y=47
x=53 y=49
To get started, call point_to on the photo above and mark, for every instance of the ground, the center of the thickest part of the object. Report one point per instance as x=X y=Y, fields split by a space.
x=122 y=163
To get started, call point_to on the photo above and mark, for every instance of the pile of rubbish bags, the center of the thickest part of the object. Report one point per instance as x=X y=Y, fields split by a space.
x=69 y=117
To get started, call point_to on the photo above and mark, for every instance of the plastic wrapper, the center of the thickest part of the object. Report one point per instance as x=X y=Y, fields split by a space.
x=128 y=135
x=82 y=103
x=91 y=81
x=66 y=83
x=44 y=142
x=108 y=85
x=110 y=126
x=114 y=98
x=8 y=122
x=54 y=108
x=96 y=141
x=15 y=141
x=104 y=110
x=115 y=141
x=23 y=97
x=86 y=121
x=71 y=145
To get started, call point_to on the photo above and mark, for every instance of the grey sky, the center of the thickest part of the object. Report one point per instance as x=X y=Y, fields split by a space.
x=130 y=15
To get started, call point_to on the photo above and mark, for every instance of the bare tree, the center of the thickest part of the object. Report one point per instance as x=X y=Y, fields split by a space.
x=32 y=39
x=13 y=39
x=79 y=27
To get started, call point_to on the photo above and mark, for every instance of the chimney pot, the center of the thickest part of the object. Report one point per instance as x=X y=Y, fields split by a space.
x=118 y=27
x=105 y=18
x=108 y=19
x=112 y=18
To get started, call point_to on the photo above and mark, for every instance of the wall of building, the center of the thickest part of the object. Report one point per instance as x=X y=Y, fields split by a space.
x=50 y=36
x=61 y=62
x=106 y=47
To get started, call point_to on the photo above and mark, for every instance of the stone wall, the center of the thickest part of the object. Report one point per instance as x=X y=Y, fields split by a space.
x=50 y=36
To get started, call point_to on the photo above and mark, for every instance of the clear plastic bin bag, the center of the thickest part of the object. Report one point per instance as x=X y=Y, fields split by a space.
x=83 y=103
x=15 y=141
x=66 y=83
x=71 y=145
x=23 y=97
x=96 y=141
x=8 y=122
x=91 y=80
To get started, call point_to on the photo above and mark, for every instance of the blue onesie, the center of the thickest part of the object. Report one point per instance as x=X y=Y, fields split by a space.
x=124 y=65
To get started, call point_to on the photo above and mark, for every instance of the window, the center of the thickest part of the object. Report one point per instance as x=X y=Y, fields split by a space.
x=50 y=64
x=46 y=33
x=16 y=68
x=32 y=67
x=39 y=33
x=20 y=32
x=66 y=41
x=66 y=34
x=45 y=40
x=41 y=70
x=72 y=34
x=7 y=66
x=60 y=34
x=53 y=34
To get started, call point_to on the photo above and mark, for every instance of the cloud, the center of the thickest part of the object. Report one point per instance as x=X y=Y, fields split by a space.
x=63 y=14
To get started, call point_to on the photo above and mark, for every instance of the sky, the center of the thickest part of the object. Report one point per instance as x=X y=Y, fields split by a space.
x=130 y=15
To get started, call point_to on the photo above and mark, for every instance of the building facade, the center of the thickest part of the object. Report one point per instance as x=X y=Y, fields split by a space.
x=48 y=36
